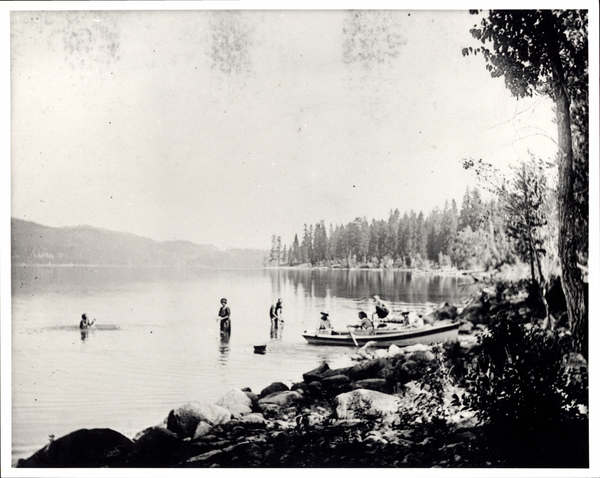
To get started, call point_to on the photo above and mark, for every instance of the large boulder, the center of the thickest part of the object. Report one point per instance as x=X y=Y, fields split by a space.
x=316 y=374
x=95 y=448
x=158 y=447
x=237 y=402
x=466 y=327
x=368 y=350
x=357 y=403
x=276 y=403
x=367 y=369
x=444 y=312
x=336 y=371
x=377 y=384
x=477 y=312
x=184 y=420
x=273 y=388
x=285 y=398
x=334 y=385
x=253 y=399
x=253 y=420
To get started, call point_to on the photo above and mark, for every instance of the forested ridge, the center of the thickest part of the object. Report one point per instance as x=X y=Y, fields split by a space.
x=34 y=243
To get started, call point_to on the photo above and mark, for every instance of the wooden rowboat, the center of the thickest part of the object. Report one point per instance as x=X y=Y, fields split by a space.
x=384 y=337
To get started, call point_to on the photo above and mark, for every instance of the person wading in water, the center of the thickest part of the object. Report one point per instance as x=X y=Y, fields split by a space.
x=275 y=313
x=225 y=316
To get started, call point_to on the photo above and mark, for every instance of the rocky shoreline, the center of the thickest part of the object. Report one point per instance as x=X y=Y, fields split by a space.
x=348 y=417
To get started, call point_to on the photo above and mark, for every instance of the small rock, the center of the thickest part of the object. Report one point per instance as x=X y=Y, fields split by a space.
x=466 y=327
x=203 y=428
x=414 y=348
x=273 y=388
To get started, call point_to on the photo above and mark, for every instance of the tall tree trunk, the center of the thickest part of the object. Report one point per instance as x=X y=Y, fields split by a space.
x=572 y=280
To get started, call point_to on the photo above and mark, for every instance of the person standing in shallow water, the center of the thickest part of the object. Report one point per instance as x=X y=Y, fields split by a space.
x=225 y=316
x=276 y=313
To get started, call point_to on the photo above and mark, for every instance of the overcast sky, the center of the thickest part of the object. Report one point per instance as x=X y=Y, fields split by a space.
x=226 y=127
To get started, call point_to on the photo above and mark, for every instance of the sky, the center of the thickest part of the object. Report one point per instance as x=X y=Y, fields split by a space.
x=227 y=127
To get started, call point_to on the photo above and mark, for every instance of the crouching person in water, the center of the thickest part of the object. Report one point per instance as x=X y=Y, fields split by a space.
x=365 y=323
x=85 y=323
x=225 y=317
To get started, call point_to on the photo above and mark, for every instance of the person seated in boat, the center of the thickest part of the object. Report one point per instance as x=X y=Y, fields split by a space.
x=85 y=323
x=224 y=316
x=324 y=324
x=365 y=323
x=414 y=321
x=381 y=309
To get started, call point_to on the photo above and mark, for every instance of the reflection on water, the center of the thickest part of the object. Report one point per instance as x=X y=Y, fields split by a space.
x=224 y=342
x=390 y=285
x=276 y=329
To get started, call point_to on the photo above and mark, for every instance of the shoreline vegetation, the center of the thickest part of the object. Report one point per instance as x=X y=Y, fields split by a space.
x=454 y=404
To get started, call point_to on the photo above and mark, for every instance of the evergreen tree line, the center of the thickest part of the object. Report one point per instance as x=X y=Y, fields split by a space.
x=481 y=235
x=473 y=237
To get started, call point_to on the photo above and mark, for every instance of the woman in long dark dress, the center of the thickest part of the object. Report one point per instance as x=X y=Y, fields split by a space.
x=225 y=316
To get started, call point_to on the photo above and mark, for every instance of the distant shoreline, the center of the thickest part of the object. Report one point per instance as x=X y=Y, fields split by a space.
x=434 y=272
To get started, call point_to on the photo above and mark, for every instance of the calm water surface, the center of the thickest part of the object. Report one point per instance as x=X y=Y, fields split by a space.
x=158 y=343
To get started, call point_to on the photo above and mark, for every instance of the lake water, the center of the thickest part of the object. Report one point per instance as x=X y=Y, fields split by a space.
x=158 y=343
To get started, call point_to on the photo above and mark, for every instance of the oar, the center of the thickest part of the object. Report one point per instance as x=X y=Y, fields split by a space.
x=353 y=339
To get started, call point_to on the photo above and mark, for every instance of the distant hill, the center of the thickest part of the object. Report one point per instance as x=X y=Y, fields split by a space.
x=34 y=243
